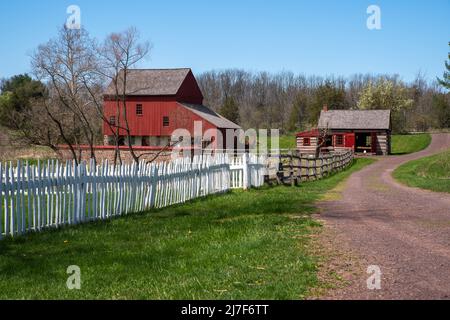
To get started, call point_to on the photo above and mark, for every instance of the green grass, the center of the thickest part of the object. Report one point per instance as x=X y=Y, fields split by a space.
x=240 y=245
x=432 y=173
x=288 y=141
x=404 y=144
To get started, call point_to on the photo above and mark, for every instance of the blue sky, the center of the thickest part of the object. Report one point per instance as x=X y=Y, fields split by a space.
x=322 y=37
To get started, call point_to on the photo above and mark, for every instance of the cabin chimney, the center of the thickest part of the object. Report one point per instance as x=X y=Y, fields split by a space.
x=325 y=108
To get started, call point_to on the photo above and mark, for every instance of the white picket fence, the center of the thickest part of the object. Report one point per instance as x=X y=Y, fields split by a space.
x=33 y=198
x=247 y=170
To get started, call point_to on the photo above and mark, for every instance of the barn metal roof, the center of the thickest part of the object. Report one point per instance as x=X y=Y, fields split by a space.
x=355 y=119
x=152 y=82
x=211 y=116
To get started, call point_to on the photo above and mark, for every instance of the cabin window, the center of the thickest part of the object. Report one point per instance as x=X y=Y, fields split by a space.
x=339 y=140
x=369 y=140
x=112 y=120
x=139 y=110
x=306 y=141
x=166 y=121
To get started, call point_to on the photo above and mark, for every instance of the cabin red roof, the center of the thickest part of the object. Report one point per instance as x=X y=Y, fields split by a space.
x=310 y=133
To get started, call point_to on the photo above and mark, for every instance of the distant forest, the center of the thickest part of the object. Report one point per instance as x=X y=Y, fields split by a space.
x=293 y=102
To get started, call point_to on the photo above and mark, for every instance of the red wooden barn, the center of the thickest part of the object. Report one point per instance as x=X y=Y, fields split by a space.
x=364 y=131
x=160 y=101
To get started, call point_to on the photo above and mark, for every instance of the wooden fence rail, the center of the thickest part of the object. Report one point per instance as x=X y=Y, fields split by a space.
x=33 y=198
x=294 y=169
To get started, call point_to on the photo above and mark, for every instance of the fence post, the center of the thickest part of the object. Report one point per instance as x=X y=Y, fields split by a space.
x=321 y=167
x=291 y=168
x=299 y=169
x=245 y=171
x=280 y=171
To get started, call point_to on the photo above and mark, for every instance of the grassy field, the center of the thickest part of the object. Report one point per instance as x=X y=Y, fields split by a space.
x=404 y=144
x=288 y=141
x=13 y=153
x=431 y=173
x=240 y=245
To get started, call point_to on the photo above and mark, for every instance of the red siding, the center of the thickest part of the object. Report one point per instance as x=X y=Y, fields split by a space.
x=150 y=123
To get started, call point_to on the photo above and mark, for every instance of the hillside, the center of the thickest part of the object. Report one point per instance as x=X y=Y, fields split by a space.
x=431 y=173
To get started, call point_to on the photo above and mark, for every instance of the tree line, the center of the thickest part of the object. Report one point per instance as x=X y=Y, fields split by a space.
x=293 y=102
x=63 y=102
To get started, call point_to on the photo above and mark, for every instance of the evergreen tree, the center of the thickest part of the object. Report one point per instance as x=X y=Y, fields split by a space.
x=17 y=94
x=297 y=117
x=330 y=94
x=230 y=110
x=445 y=81
x=441 y=104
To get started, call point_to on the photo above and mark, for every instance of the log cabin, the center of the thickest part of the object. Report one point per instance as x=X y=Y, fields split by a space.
x=363 y=131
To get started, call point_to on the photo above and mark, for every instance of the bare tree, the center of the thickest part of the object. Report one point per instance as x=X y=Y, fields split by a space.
x=31 y=126
x=63 y=63
x=119 y=53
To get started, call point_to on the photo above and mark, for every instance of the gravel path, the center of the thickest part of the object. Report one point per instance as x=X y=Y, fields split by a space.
x=405 y=231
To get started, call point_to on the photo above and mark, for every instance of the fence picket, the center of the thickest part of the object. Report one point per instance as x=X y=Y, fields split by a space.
x=13 y=208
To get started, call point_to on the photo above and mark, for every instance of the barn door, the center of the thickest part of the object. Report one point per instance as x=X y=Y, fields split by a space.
x=350 y=141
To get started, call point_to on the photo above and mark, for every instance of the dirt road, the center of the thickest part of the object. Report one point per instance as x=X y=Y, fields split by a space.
x=405 y=231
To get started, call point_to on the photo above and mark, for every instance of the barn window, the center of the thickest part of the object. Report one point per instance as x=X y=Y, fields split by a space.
x=112 y=120
x=166 y=121
x=339 y=140
x=139 y=110
x=306 y=141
